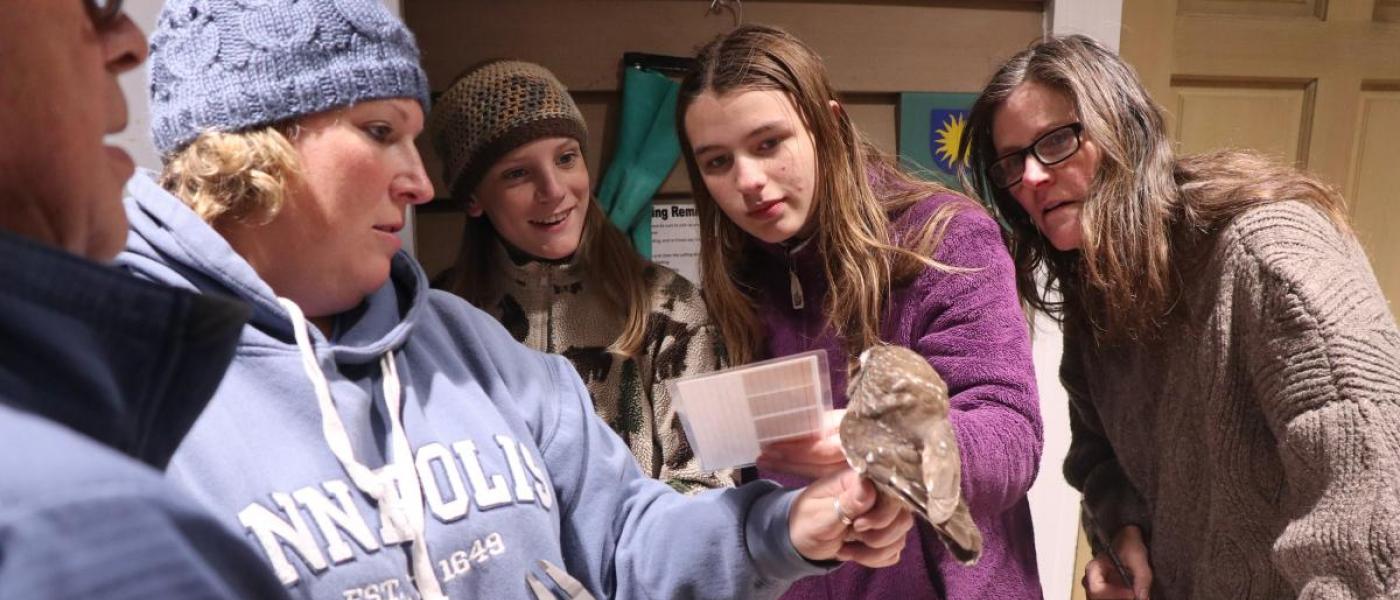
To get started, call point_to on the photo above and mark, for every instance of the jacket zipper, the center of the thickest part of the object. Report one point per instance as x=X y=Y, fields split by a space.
x=794 y=282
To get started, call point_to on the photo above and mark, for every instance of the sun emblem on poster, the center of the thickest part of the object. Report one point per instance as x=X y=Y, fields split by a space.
x=945 y=138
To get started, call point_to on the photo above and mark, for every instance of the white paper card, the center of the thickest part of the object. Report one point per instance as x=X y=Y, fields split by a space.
x=728 y=415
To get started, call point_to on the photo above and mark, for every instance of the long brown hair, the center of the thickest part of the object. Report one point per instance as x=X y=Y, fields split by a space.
x=604 y=254
x=1121 y=278
x=857 y=187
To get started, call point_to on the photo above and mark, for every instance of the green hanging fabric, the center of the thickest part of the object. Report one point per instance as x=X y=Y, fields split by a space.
x=647 y=150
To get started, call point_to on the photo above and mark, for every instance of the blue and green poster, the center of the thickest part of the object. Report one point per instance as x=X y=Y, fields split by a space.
x=930 y=131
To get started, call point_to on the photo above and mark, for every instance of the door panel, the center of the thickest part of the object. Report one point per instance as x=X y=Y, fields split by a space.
x=1271 y=117
x=1273 y=8
x=1388 y=11
x=1375 y=184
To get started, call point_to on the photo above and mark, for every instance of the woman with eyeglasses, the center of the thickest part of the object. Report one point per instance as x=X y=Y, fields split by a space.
x=810 y=238
x=1232 y=367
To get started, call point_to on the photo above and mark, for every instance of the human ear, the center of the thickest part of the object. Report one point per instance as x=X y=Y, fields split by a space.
x=474 y=206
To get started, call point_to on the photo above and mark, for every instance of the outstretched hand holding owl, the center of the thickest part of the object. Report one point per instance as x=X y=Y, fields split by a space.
x=896 y=433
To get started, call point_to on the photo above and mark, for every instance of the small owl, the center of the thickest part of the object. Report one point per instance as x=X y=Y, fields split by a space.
x=896 y=433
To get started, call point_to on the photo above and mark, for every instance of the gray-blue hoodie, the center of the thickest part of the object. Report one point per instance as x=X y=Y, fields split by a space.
x=439 y=457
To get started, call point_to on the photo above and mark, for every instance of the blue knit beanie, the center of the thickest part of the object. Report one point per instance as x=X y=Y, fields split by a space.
x=231 y=65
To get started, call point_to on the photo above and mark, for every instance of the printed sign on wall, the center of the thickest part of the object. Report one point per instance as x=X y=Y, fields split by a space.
x=930 y=131
x=675 y=237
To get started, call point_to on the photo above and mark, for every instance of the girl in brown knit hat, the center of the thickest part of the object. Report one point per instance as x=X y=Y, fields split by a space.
x=539 y=255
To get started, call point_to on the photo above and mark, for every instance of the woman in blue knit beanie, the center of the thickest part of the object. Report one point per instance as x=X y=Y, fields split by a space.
x=374 y=438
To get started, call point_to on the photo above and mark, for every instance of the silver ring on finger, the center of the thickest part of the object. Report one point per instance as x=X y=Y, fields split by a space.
x=841 y=514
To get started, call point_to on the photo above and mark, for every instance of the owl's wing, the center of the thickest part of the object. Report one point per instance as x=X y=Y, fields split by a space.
x=875 y=451
x=941 y=470
x=894 y=477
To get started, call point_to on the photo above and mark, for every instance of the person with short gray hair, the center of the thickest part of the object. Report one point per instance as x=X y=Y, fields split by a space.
x=101 y=375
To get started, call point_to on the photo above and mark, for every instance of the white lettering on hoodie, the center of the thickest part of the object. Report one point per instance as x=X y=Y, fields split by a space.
x=333 y=511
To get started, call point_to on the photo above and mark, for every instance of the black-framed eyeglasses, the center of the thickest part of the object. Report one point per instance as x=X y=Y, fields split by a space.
x=1051 y=148
x=103 y=12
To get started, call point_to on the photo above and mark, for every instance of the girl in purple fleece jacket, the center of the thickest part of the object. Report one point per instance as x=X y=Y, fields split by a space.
x=811 y=238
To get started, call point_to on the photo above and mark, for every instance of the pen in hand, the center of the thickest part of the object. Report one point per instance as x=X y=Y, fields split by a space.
x=1102 y=537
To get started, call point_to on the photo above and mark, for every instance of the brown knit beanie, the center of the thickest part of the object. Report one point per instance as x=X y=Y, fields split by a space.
x=493 y=109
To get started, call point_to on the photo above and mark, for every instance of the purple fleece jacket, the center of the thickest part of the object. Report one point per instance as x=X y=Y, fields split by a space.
x=973 y=332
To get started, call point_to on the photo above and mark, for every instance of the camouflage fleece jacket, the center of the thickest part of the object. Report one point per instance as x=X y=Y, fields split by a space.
x=554 y=307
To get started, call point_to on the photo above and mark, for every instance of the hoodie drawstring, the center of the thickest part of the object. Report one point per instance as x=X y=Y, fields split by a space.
x=402 y=504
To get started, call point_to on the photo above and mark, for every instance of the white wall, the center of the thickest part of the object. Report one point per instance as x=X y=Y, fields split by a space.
x=1054 y=504
x=136 y=139
x=1099 y=19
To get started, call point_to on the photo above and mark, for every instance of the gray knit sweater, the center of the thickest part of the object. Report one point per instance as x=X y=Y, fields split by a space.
x=1257 y=441
x=554 y=307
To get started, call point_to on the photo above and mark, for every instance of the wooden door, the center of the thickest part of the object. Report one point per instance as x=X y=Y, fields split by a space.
x=1316 y=82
